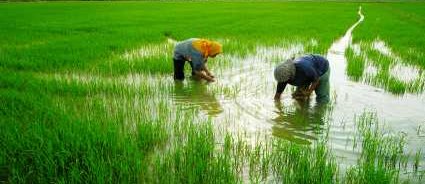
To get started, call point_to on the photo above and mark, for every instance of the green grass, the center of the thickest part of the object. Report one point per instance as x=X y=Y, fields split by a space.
x=74 y=110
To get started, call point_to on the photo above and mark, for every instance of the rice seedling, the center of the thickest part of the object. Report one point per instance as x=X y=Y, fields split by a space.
x=355 y=65
x=382 y=156
x=397 y=58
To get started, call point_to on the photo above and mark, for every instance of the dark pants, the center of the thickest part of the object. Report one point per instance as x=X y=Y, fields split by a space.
x=179 y=68
x=322 y=91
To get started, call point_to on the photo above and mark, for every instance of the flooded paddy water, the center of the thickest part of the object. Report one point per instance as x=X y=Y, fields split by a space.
x=241 y=100
x=245 y=102
x=88 y=94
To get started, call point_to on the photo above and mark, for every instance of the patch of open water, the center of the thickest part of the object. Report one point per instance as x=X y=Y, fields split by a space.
x=253 y=109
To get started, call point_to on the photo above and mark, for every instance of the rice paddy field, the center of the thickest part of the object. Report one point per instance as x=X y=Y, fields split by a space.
x=87 y=93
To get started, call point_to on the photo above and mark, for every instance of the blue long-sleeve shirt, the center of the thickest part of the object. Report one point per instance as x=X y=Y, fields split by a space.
x=308 y=69
x=184 y=50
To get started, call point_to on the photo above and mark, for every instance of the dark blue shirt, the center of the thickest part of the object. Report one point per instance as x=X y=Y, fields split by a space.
x=308 y=69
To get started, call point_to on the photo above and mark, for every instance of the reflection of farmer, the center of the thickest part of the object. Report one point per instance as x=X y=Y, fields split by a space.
x=300 y=122
x=308 y=73
x=197 y=95
x=196 y=51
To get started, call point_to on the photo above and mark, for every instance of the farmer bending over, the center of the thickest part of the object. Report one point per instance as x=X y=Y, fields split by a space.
x=196 y=52
x=308 y=73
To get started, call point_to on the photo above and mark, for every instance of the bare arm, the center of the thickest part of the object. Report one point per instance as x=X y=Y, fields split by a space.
x=313 y=86
x=279 y=90
x=207 y=71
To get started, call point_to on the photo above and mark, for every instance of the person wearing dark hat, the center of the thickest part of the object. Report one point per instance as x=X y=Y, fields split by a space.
x=309 y=73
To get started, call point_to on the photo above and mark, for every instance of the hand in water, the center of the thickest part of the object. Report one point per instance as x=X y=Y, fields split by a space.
x=301 y=95
x=211 y=80
x=208 y=74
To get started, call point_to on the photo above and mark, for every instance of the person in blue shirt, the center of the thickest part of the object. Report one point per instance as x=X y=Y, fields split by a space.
x=309 y=73
x=196 y=51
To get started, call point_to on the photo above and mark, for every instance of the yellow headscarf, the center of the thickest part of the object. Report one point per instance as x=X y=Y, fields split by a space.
x=207 y=47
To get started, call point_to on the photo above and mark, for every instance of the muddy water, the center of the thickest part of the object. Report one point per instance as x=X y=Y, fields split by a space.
x=248 y=106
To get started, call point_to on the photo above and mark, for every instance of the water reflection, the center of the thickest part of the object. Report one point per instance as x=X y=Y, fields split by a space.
x=194 y=94
x=299 y=122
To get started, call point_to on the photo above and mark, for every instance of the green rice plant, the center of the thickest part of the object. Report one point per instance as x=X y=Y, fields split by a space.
x=35 y=38
x=44 y=141
x=391 y=22
x=47 y=150
x=259 y=161
x=355 y=65
x=417 y=160
x=380 y=24
x=293 y=163
x=383 y=77
x=381 y=155
x=193 y=159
